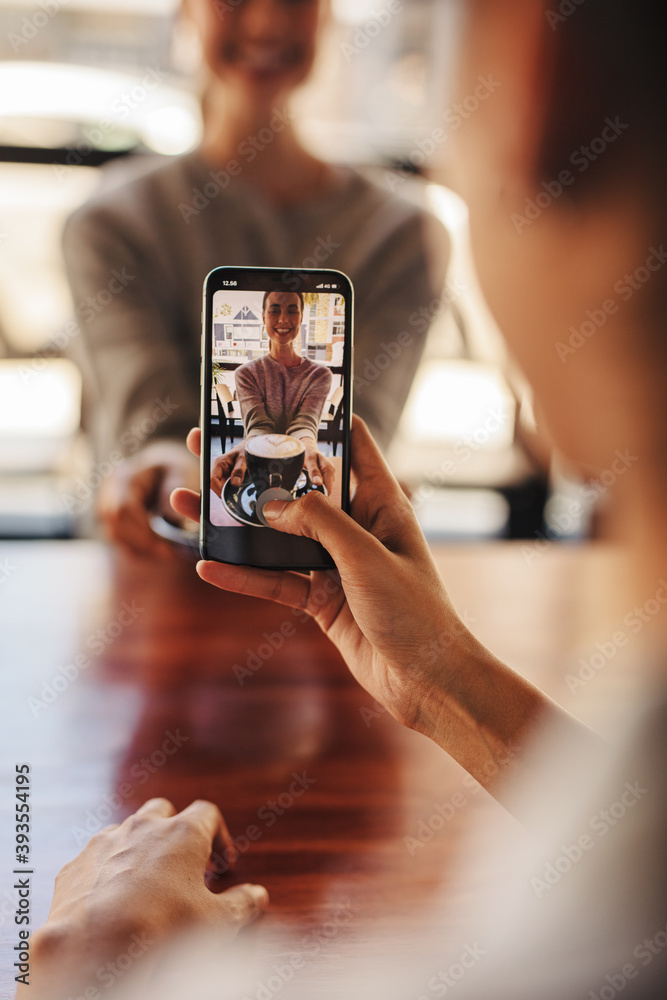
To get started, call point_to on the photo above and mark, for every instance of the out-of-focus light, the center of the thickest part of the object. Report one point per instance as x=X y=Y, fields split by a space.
x=449 y=208
x=103 y=102
x=39 y=398
x=455 y=401
x=171 y=130
x=354 y=11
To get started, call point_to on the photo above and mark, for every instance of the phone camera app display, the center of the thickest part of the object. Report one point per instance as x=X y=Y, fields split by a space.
x=277 y=398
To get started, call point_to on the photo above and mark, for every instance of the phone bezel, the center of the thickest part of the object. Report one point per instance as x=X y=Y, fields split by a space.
x=268 y=548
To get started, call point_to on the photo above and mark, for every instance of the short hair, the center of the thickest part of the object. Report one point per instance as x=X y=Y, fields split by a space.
x=266 y=295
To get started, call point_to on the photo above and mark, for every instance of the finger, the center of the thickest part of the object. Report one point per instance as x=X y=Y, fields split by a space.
x=131 y=529
x=290 y=589
x=315 y=516
x=208 y=821
x=186 y=503
x=313 y=470
x=193 y=441
x=124 y=512
x=241 y=905
x=156 y=807
x=239 y=471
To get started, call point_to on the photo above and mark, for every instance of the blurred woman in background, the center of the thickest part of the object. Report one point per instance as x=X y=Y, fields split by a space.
x=252 y=195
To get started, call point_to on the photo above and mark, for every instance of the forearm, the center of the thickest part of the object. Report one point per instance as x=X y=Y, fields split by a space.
x=486 y=716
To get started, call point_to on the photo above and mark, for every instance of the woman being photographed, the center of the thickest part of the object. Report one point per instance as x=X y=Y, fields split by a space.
x=280 y=393
x=251 y=194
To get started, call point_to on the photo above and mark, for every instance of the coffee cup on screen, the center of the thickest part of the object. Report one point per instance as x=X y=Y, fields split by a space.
x=274 y=461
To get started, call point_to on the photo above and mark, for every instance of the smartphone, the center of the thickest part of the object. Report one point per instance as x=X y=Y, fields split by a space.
x=275 y=408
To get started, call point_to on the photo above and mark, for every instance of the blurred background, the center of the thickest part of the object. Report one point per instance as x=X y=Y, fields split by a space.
x=66 y=66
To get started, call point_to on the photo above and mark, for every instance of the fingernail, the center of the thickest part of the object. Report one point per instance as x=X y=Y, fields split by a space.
x=273 y=510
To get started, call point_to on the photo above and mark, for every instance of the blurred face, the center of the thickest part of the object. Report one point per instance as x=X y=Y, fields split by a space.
x=282 y=318
x=263 y=46
x=545 y=277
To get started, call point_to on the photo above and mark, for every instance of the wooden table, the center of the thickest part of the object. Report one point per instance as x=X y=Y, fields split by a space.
x=187 y=692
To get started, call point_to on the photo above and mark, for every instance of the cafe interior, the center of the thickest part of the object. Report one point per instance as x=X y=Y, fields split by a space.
x=128 y=678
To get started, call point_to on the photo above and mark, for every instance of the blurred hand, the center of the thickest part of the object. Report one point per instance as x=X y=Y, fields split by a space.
x=140 y=487
x=231 y=465
x=131 y=887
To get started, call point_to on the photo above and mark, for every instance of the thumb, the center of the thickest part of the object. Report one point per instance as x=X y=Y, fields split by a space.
x=315 y=516
x=239 y=906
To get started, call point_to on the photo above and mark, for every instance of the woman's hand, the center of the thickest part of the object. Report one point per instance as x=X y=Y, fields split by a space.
x=231 y=465
x=131 y=887
x=320 y=469
x=140 y=486
x=387 y=611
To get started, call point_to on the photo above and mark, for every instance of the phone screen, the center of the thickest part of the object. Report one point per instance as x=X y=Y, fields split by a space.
x=276 y=407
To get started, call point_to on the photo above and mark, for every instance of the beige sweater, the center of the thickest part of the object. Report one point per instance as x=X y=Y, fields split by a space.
x=279 y=400
x=138 y=252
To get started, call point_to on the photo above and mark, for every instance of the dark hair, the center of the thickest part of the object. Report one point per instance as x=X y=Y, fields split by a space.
x=606 y=59
x=266 y=295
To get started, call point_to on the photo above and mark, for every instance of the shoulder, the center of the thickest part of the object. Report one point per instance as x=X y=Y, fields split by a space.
x=249 y=368
x=315 y=371
x=134 y=193
x=395 y=227
x=403 y=199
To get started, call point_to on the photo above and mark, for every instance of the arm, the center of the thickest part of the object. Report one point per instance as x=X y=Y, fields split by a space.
x=390 y=616
x=253 y=404
x=306 y=420
x=133 y=354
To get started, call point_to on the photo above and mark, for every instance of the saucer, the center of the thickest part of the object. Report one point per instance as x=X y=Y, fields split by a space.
x=240 y=500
